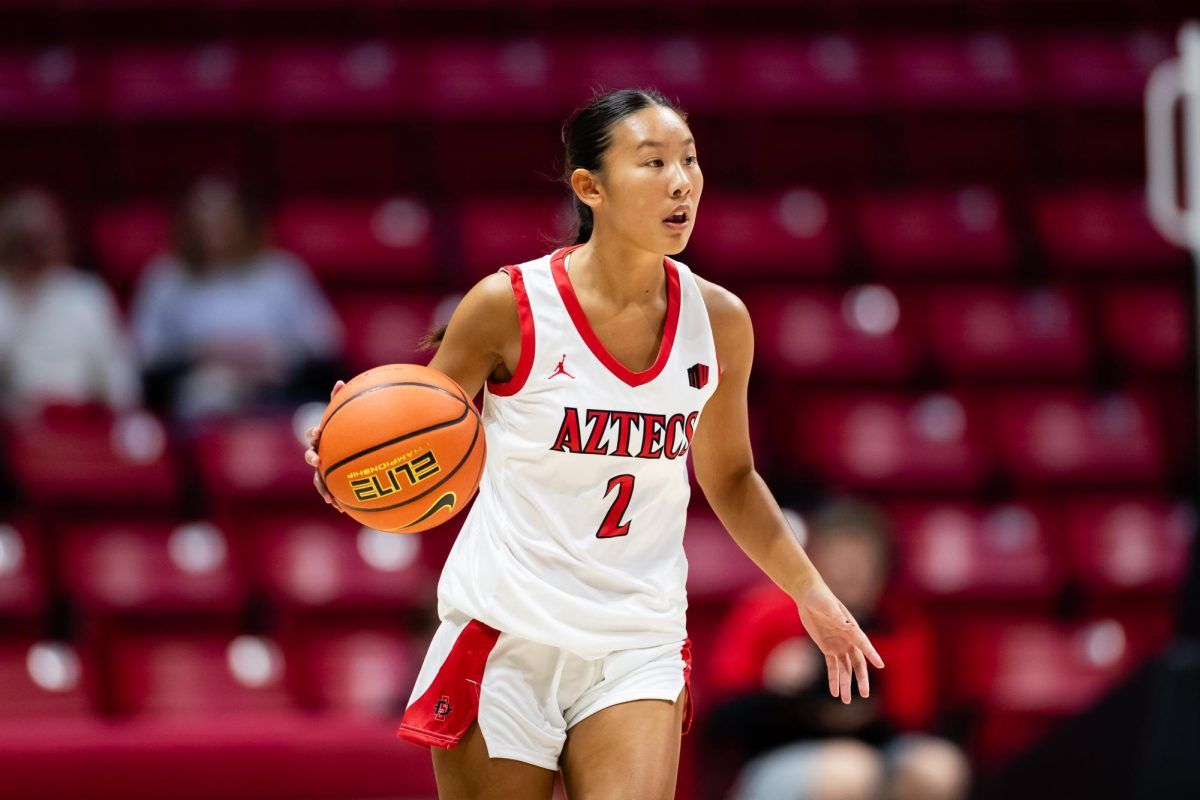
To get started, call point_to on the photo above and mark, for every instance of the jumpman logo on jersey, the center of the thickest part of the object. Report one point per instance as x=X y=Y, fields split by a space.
x=560 y=369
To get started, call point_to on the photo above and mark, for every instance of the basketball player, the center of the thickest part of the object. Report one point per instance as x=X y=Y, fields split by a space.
x=562 y=643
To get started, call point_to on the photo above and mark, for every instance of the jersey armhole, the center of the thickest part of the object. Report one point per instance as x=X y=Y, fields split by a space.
x=525 y=314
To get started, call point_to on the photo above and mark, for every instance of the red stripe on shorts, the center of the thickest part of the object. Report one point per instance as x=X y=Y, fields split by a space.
x=686 y=652
x=445 y=711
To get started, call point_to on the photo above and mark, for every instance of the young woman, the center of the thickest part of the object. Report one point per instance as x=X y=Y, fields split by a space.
x=562 y=601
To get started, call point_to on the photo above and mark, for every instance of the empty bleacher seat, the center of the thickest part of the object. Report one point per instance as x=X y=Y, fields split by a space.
x=1103 y=230
x=962 y=103
x=38 y=86
x=1055 y=437
x=389 y=241
x=779 y=235
x=354 y=670
x=936 y=232
x=23 y=582
x=385 y=329
x=327 y=560
x=254 y=460
x=151 y=568
x=90 y=455
x=861 y=333
x=1129 y=543
x=44 y=679
x=888 y=440
x=963 y=551
x=1148 y=327
x=498 y=230
x=195 y=673
x=803 y=106
x=1004 y=332
x=174 y=83
x=1092 y=87
x=364 y=80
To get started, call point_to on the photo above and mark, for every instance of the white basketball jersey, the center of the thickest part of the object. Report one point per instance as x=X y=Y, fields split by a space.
x=575 y=538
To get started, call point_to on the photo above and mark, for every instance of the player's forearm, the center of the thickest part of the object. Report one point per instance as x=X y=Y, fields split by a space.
x=753 y=518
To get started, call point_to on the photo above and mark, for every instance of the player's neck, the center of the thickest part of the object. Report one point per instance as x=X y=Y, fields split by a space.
x=616 y=270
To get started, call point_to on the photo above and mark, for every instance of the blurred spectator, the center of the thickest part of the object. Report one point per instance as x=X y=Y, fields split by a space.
x=226 y=324
x=778 y=715
x=61 y=336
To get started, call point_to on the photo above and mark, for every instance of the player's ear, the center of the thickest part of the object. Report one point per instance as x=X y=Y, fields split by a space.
x=587 y=186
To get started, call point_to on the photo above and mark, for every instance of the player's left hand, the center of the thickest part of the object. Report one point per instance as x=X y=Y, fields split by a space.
x=834 y=630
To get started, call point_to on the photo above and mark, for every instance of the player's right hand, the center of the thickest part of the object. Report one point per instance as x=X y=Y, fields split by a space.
x=314 y=461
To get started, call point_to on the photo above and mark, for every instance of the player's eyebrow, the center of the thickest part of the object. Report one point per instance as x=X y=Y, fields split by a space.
x=649 y=143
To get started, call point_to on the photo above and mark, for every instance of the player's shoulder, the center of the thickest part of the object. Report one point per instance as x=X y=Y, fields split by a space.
x=725 y=308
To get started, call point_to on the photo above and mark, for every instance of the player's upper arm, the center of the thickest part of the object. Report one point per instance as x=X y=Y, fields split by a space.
x=479 y=334
x=721 y=450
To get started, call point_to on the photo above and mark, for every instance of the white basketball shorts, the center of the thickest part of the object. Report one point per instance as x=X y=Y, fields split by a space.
x=527 y=695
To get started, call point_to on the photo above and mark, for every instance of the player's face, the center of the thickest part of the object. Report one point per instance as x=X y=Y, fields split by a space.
x=650 y=169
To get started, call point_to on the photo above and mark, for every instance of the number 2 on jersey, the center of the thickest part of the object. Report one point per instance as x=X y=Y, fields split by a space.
x=611 y=526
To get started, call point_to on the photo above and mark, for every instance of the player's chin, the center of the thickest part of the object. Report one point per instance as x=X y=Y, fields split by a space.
x=675 y=241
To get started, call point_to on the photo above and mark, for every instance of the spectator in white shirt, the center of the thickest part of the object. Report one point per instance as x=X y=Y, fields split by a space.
x=225 y=324
x=61 y=335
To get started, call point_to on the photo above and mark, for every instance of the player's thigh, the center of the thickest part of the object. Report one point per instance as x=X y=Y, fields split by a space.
x=466 y=772
x=626 y=751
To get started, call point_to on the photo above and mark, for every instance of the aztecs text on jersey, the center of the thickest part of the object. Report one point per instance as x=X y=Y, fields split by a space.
x=575 y=538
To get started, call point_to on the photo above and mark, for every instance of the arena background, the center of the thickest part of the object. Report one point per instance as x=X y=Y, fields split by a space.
x=935 y=211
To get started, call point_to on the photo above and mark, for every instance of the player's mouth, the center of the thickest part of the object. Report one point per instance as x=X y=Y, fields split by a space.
x=678 y=221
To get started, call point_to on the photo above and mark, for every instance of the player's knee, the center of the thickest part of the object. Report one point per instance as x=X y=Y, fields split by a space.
x=930 y=769
x=847 y=770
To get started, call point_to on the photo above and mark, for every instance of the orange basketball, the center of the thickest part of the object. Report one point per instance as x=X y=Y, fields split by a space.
x=402 y=448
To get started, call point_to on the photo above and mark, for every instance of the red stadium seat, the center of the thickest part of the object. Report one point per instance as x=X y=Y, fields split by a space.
x=1102 y=230
x=151 y=568
x=330 y=561
x=511 y=79
x=346 y=242
x=336 y=114
x=254 y=460
x=935 y=232
x=1148 y=326
x=1129 y=544
x=44 y=680
x=803 y=107
x=41 y=86
x=1067 y=437
x=354 y=670
x=1092 y=88
x=961 y=551
x=887 y=441
x=678 y=67
x=498 y=230
x=1005 y=332
x=962 y=102
x=22 y=572
x=163 y=83
x=90 y=455
x=196 y=673
x=775 y=235
x=860 y=334
x=365 y=80
x=127 y=237
x=386 y=329
x=1026 y=673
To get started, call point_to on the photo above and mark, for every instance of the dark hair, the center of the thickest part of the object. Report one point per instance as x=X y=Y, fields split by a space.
x=588 y=132
x=221 y=189
x=844 y=515
x=586 y=135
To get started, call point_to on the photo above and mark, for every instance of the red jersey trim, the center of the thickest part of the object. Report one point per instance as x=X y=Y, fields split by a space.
x=571 y=301
x=441 y=716
x=525 y=362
